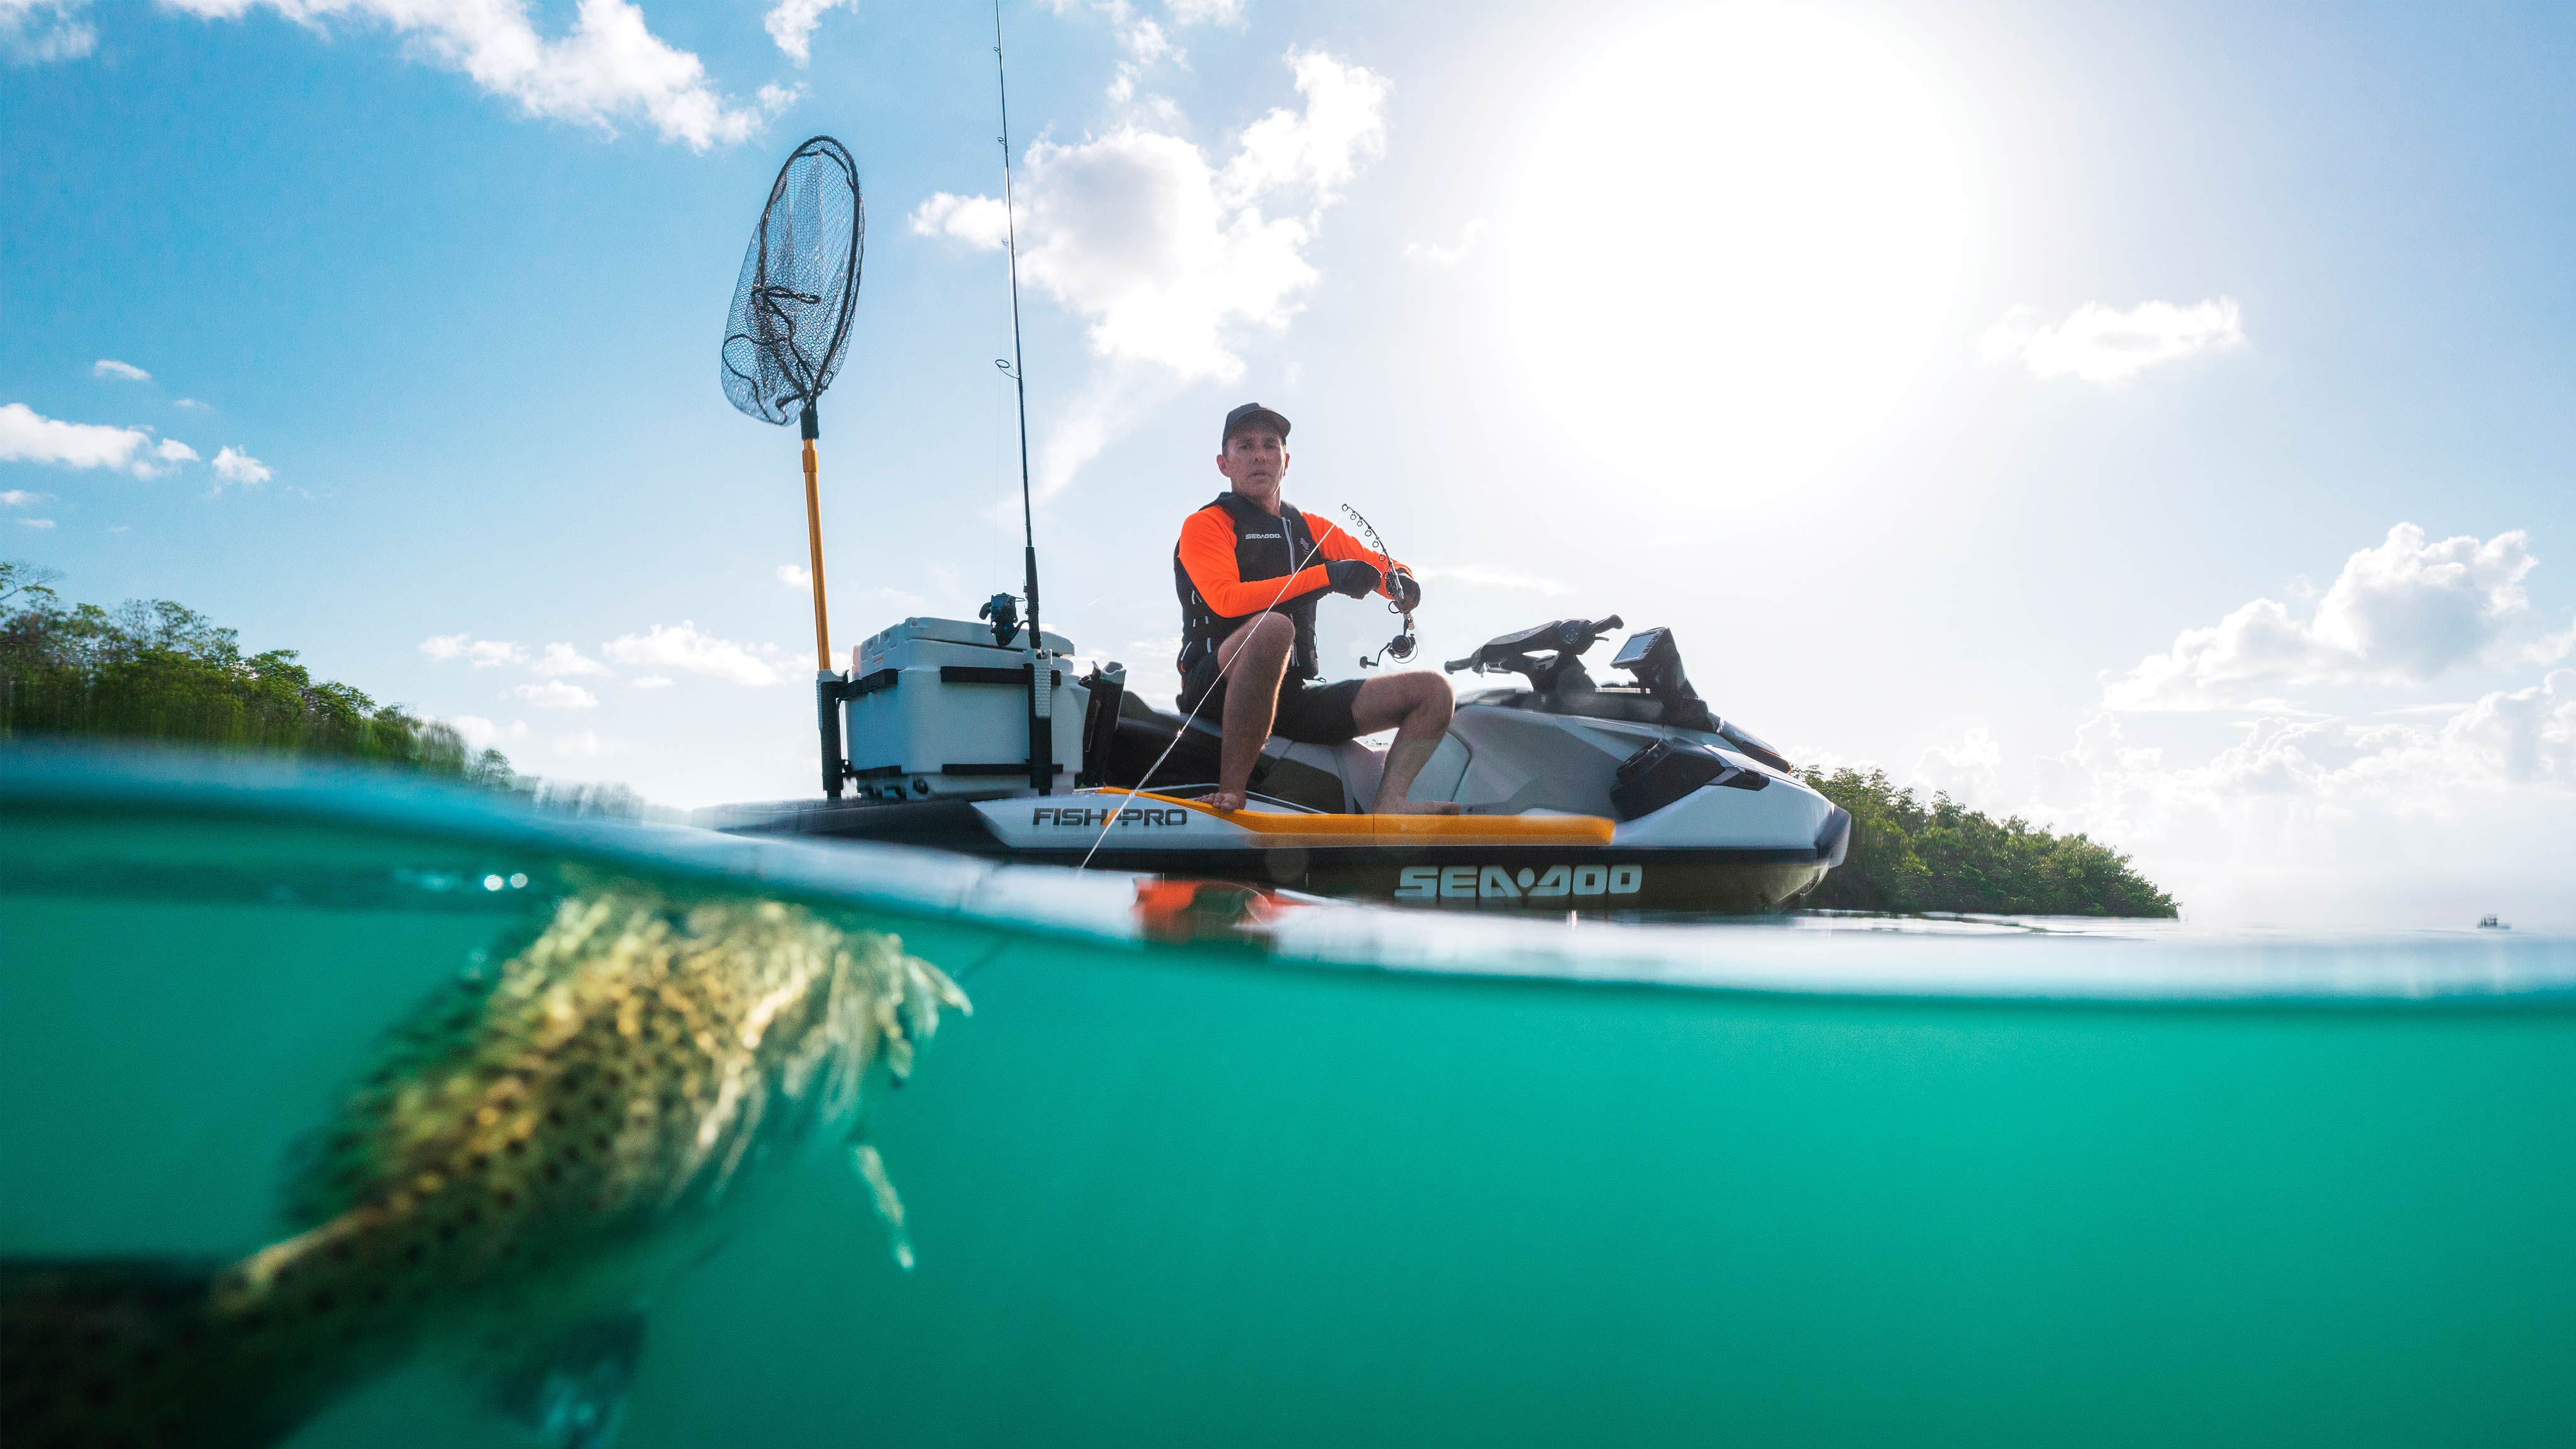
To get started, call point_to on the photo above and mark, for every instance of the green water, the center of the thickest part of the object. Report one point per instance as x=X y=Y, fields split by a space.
x=1204 y=1193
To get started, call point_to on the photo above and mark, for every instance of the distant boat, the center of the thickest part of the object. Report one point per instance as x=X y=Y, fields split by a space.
x=2490 y=923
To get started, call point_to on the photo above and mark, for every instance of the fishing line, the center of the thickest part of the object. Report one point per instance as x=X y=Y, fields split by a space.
x=1314 y=541
x=961 y=977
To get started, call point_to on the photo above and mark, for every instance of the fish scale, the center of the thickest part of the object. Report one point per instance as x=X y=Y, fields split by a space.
x=548 y=1141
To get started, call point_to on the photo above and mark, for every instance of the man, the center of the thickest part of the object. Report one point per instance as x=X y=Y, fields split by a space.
x=1250 y=570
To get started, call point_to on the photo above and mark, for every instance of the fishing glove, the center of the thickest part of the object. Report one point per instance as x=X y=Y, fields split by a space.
x=1407 y=590
x=1352 y=577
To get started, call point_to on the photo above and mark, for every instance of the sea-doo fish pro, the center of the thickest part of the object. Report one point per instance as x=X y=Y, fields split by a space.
x=1573 y=795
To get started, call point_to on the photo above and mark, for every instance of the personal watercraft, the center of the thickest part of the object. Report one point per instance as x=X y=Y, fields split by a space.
x=1573 y=795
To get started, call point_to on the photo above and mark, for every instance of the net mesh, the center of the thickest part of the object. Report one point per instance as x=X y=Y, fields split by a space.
x=800 y=278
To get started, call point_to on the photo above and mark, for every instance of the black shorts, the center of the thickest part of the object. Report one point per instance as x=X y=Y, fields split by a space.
x=1309 y=713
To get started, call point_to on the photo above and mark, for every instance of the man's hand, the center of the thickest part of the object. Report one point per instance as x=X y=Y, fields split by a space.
x=1407 y=590
x=1352 y=577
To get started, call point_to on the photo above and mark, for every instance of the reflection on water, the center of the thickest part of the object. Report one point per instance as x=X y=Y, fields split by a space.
x=587 y=1133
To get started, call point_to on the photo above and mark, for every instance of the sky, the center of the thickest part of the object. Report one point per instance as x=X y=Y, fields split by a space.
x=2158 y=422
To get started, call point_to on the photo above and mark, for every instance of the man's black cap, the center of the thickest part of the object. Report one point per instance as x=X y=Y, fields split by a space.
x=1252 y=415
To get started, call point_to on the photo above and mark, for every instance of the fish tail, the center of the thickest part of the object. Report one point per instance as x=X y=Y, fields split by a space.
x=135 y=1351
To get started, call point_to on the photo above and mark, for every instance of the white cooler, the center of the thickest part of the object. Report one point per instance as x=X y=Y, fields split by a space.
x=938 y=709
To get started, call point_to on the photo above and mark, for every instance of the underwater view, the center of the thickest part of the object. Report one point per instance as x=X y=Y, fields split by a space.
x=1229 y=723
x=342 y=1110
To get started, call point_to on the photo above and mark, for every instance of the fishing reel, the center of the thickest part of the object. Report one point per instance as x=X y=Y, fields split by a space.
x=1003 y=612
x=1400 y=648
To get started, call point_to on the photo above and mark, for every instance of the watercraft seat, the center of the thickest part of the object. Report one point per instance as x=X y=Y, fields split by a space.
x=1144 y=733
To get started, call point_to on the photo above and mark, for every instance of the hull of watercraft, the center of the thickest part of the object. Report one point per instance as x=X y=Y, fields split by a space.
x=1508 y=862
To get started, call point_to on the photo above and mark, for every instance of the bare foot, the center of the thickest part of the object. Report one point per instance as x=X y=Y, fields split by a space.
x=1422 y=807
x=1226 y=800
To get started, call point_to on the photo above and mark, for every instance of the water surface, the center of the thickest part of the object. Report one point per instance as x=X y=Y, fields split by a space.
x=1372 y=1177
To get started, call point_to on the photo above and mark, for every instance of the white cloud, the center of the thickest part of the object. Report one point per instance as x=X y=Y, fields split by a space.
x=21 y=498
x=589 y=744
x=1319 y=149
x=193 y=404
x=794 y=576
x=481 y=734
x=109 y=366
x=1166 y=647
x=2407 y=812
x=683 y=648
x=2104 y=345
x=556 y=694
x=235 y=466
x=609 y=67
x=35 y=523
x=1207 y=12
x=1965 y=772
x=1433 y=254
x=651 y=681
x=791 y=23
x=1493 y=578
x=562 y=659
x=979 y=221
x=2390 y=811
x=2525 y=736
x=2505 y=742
x=481 y=653
x=27 y=436
x=2550 y=648
x=902 y=601
x=1149 y=673
x=37 y=32
x=1145 y=42
x=1170 y=257
x=2404 y=611
x=1129 y=232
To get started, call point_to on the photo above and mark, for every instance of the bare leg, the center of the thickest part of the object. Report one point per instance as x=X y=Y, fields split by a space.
x=1253 y=659
x=1417 y=702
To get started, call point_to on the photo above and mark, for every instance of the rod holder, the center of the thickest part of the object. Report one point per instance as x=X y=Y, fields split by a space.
x=828 y=690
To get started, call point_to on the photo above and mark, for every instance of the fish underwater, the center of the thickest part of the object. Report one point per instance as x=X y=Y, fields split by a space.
x=536 y=1151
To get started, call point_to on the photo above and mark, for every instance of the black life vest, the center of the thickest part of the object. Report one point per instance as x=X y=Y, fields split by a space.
x=1265 y=547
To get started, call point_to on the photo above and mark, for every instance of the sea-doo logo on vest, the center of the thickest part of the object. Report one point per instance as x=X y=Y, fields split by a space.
x=1501 y=883
x=1265 y=535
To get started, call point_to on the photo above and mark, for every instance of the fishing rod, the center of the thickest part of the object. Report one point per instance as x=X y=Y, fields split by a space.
x=1041 y=673
x=1403 y=644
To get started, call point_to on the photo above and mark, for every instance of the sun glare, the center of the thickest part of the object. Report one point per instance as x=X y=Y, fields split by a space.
x=1740 y=235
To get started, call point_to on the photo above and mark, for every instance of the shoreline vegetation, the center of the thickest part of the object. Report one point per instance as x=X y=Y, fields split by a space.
x=1910 y=856
x=161 y=672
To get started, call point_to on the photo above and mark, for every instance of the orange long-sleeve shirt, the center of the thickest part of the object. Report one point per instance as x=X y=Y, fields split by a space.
x=1207 y=553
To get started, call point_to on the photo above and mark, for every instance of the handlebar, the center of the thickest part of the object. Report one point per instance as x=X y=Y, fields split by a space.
x=1566 y=638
